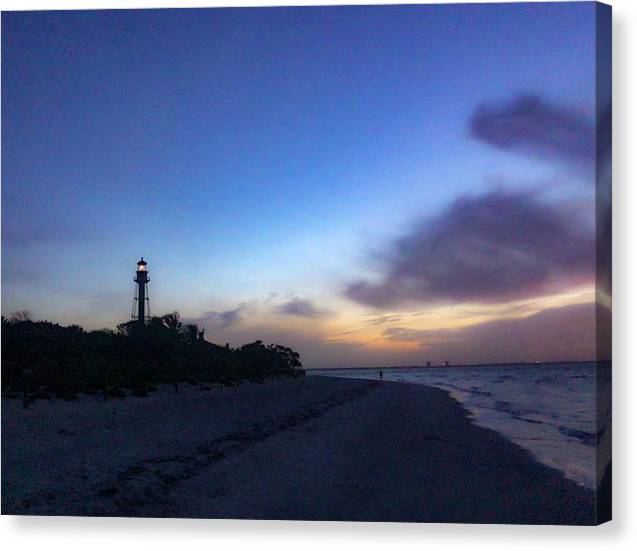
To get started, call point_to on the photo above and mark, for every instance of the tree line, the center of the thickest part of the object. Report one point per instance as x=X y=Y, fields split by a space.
x=41 y=359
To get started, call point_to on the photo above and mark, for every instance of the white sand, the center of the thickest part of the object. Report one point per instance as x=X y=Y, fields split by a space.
x=314 y=448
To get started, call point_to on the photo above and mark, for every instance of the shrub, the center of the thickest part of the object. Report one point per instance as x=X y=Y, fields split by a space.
x=66 y=360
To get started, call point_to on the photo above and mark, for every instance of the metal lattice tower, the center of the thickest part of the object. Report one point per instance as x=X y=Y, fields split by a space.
x=141 y=299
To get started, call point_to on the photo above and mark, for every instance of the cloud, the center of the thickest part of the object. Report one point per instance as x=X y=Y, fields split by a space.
x=532 y=126
x=406 y=334
x=382 y=320
x=230 y=317
x=300 y=307
x=566 y=333
x=219 y=320
x=499 y=246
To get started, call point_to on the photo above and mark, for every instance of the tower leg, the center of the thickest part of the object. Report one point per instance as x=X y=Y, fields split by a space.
x=141 y=304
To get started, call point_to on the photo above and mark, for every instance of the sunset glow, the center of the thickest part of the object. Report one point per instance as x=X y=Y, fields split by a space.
x=366 y=186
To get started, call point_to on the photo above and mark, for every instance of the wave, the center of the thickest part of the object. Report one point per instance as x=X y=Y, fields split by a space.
x=549 y=409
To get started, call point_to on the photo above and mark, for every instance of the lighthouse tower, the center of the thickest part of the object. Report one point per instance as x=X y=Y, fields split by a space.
x=141 y=302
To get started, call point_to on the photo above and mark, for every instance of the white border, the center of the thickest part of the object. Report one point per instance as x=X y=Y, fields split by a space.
x=94 y=534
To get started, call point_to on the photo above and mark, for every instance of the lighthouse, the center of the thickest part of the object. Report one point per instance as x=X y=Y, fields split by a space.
x=141 y=301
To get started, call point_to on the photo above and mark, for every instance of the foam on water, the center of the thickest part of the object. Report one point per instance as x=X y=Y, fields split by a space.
x=549 y=409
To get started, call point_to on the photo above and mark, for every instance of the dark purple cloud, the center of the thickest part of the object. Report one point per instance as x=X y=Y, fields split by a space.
x=566 y=333
x=219 y=320
x=494 y=247
x=300 y=307
x=532 y=126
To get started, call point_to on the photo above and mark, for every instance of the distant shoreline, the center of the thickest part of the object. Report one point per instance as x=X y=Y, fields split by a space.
x=501 y=364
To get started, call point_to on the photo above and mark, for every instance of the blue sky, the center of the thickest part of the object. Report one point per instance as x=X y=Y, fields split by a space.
x=255 y=156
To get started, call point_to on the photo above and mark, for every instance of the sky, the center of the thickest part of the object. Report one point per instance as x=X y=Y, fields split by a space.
x=376 y=185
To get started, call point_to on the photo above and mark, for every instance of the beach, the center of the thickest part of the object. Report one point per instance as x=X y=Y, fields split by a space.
x=560 y=412
x=314 y=448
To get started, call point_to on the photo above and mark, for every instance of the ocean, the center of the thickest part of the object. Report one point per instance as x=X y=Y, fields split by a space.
x=549 y=409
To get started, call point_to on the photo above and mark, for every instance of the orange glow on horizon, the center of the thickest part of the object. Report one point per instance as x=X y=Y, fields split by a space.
x=354 y=328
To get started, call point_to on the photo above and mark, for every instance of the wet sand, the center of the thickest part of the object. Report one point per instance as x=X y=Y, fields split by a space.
x=317 y=448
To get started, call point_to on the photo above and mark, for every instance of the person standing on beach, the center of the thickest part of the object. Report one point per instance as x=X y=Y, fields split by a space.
x=380 y=375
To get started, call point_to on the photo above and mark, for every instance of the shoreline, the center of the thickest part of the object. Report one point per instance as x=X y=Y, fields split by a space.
x=310 y=371
x=550 y=424
x=318 y=448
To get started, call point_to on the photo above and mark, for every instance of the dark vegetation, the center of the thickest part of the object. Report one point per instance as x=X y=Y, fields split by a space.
x=41 y=359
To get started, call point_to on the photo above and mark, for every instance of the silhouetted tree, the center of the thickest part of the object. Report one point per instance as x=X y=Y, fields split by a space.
x=67 y=360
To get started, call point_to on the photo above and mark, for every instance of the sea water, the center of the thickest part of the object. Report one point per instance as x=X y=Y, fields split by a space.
x=561 y=413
